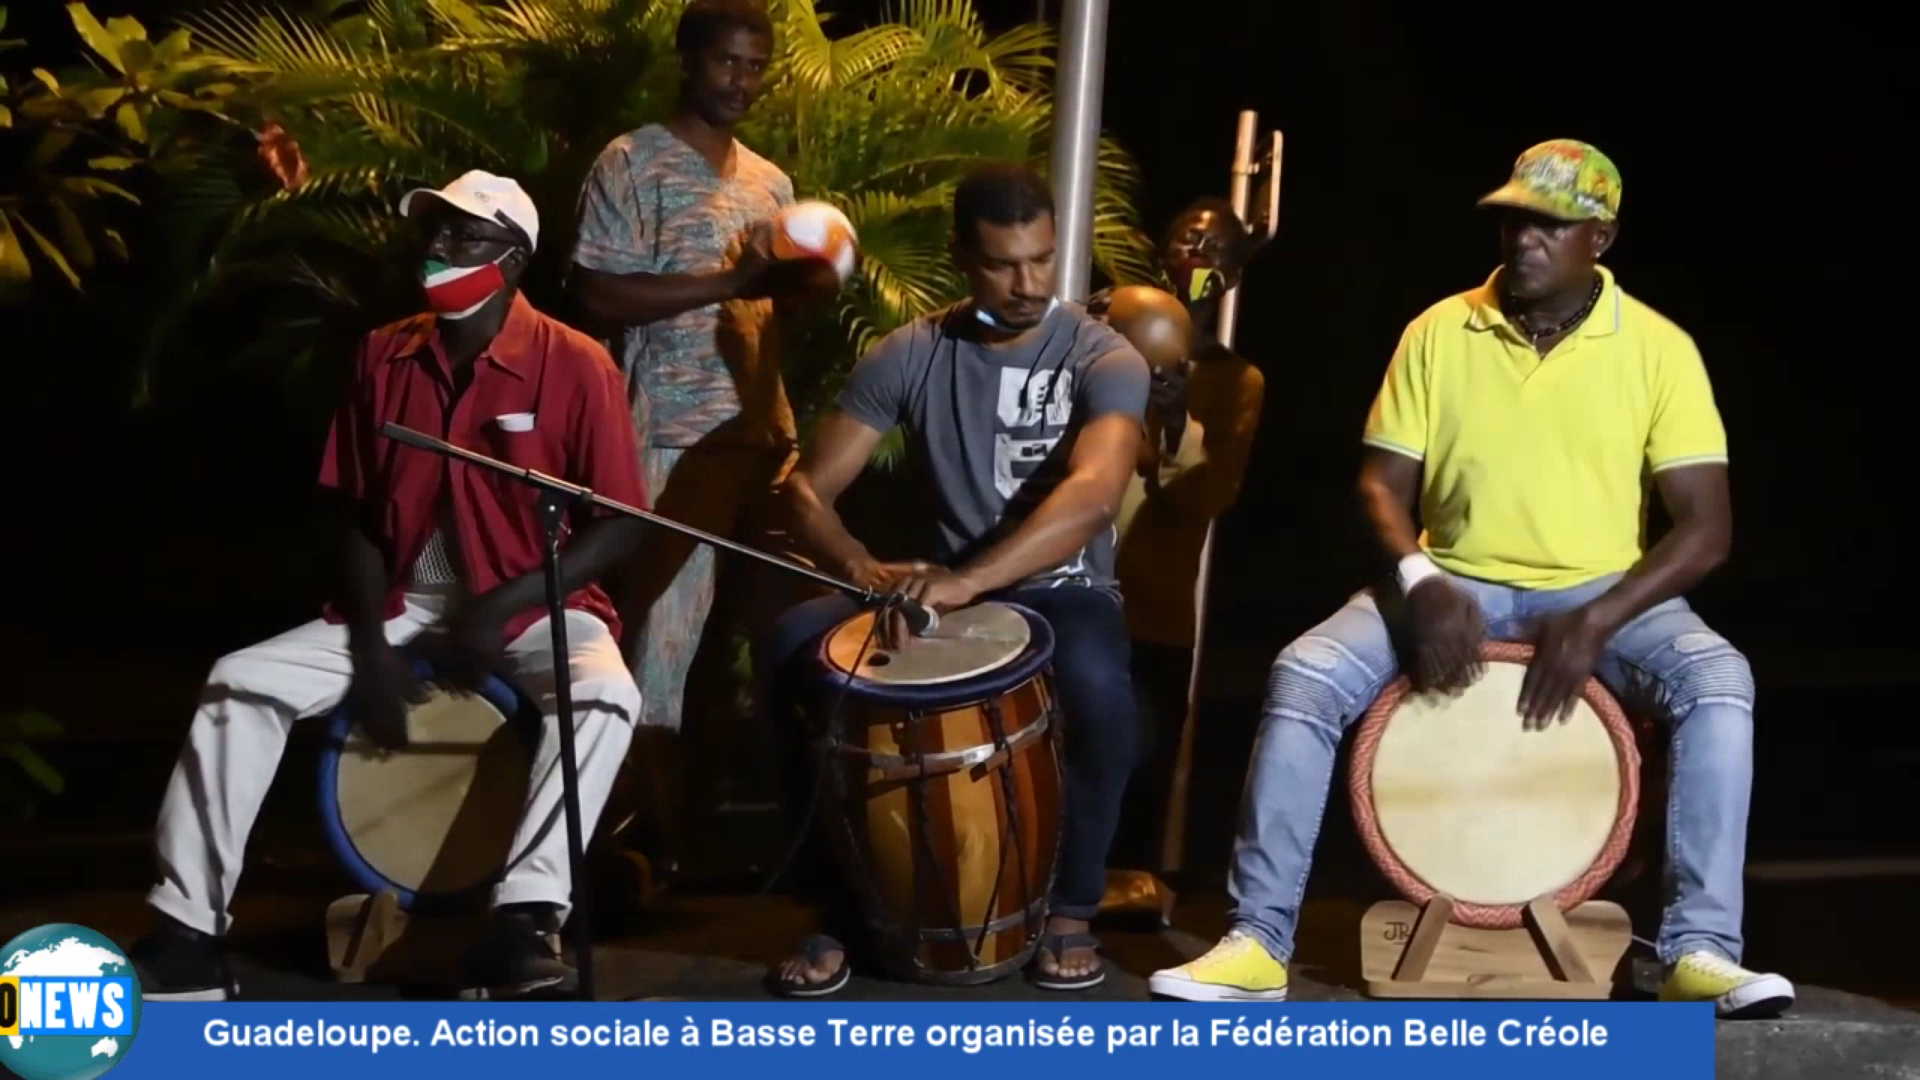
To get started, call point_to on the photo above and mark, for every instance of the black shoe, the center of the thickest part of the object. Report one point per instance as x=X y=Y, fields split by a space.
x=520 y=958
x=178 y=963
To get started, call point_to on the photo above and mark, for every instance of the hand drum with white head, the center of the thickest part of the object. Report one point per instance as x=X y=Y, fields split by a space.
x=1453 y=795
x=434 y=821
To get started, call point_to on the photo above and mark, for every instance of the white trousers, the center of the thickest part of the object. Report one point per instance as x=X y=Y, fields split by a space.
x=254 y=696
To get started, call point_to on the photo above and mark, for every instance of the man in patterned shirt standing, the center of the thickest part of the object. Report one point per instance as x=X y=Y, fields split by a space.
x=673 y=254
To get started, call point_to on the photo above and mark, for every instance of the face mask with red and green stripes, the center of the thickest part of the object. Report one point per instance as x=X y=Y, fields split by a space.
x=455 y=292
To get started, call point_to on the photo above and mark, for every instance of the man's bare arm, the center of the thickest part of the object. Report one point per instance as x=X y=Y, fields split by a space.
x=362 y=590
x=1697 y=498
x=1085 y=502
x=594 y=549
x=638 y=299
x=1389 y=487
x=1568 y=645
x=839 y=451
x=1444 y=624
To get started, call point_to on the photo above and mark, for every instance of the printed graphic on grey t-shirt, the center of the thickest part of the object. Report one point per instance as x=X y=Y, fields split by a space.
x=1031 y=416
x=1021 y=442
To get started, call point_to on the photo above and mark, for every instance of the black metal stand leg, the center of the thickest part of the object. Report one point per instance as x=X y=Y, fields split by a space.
x=553 y=509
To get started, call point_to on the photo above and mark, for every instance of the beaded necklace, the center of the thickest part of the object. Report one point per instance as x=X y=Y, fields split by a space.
x=1526 y=326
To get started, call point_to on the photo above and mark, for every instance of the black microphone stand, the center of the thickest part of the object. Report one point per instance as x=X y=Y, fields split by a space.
x=557 y=497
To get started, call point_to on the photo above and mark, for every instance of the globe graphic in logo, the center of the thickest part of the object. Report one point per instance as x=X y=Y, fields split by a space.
x=64 y=949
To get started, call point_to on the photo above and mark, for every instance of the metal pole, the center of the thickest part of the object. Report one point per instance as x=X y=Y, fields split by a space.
x=1242 y=177
x=1076 y=141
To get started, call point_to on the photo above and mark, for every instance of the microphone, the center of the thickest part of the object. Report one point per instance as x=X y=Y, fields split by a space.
x=920 y=620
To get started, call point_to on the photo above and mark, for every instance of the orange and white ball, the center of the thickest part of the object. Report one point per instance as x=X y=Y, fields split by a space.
x=816 y=230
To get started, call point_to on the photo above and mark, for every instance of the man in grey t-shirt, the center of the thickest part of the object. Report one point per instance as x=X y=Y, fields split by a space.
x=1024 y=421
x=985 y=470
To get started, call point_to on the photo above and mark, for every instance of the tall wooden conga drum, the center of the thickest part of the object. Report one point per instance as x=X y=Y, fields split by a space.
x=433 y=822
x=943 y=788
x=1451 y=796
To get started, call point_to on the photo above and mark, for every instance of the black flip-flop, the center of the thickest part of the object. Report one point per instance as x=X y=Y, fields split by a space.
x=1058 y=944
x=814 y=949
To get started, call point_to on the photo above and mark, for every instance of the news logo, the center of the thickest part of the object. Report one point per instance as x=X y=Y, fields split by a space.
x=69 y=1004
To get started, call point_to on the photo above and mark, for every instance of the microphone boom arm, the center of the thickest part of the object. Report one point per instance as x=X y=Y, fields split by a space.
x=580 y=494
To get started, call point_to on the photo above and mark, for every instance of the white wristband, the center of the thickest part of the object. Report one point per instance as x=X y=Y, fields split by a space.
x=1415 y=569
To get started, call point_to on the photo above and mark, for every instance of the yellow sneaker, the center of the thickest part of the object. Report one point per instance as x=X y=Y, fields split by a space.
x=1736 y=993
x=1237 y=969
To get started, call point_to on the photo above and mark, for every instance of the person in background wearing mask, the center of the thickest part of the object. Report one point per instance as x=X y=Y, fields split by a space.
x=1023 y=420
x=1523 y=418
x=673 y=258
x=446 y=559
x=1203 y=415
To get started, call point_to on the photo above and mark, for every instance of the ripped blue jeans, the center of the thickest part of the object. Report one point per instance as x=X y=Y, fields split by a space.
x=1327 y=678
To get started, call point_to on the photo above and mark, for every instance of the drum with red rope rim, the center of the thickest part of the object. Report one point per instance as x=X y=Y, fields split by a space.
x=1450 y=794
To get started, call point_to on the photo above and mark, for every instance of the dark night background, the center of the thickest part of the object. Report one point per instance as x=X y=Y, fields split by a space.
x=1767 y=210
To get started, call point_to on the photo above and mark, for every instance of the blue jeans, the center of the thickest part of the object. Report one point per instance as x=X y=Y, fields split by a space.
x=1101 y=739
x=1329 y=676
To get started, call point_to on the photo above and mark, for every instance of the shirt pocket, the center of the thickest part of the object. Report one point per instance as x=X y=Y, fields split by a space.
x=525 y=438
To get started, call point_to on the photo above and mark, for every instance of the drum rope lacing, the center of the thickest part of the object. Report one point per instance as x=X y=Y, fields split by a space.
x=1004 y=745
x=920 y=814
x=946 y=761
x=987 y=923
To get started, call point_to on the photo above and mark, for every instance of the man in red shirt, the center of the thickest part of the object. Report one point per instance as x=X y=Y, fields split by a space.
x=445 y=557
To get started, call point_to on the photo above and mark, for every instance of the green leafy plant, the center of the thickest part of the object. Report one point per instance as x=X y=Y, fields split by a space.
x=16 y=731
x=351 y=105
x=75 y=129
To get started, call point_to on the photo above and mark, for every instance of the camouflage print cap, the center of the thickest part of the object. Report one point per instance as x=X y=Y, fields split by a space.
x=1562 y=179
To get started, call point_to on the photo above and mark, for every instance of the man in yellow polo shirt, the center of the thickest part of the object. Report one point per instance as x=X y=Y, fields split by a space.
x=1522 y=417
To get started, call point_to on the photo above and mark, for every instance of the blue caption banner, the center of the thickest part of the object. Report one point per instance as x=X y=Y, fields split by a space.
x=1564 y=1040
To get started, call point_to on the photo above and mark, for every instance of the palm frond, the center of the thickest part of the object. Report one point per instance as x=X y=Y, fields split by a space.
x=254 y=41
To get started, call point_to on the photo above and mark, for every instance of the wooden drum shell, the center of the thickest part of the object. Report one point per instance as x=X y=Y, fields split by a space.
x=945 y=806
x=1612 y=848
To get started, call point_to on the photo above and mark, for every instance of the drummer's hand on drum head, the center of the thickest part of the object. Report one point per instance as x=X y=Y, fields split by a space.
x=1447 y=634
x=383 y=686
x=1566 y=650
x=933 y=587
x=884 y=577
